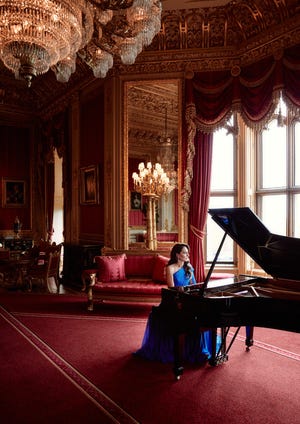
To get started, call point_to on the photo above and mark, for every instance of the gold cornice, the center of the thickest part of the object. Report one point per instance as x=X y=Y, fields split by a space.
x=212 y=59
x=200 y=39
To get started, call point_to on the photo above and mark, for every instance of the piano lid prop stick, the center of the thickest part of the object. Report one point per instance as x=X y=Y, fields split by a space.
x=254 y=291
x=213 y=263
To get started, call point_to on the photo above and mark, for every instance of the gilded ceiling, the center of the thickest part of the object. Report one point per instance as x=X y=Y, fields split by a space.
x=195 y=35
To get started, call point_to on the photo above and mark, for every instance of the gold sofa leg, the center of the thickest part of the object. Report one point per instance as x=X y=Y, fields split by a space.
x=88 y=279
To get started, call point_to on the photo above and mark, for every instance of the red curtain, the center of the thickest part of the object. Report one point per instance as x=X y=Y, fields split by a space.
x=291 y=76
x=210 y=99
x=199 y=201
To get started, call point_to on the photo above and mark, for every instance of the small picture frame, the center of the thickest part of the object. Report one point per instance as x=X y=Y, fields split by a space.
x=13 y=193
x=89 y=185
x=135 y=201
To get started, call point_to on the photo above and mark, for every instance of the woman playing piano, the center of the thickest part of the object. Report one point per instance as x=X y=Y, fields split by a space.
x=158 y=343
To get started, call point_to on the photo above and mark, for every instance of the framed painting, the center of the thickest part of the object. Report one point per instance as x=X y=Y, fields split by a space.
x=135 y=201
x=89 y=185
x=13 y=193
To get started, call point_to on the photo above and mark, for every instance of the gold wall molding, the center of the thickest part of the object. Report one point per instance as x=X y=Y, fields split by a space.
x=199 y=60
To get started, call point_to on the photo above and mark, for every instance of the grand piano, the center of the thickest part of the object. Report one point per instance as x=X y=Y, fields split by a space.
x=241 y=301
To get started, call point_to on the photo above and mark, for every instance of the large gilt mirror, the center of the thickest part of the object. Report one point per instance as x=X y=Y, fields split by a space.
x=153 y=136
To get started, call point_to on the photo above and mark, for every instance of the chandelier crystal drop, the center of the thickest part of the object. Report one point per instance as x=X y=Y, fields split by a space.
x=38 y=35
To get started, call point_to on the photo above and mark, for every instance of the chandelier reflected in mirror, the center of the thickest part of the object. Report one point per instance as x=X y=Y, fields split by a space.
x=167 y=151
x=152 y=182
x=38 y=35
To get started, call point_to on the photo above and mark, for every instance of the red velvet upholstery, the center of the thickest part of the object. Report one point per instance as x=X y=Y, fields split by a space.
x=105 y=282
x=129 y=287
x=139 y=266
x=159 y=270
x=111 y=268
x=143 y=278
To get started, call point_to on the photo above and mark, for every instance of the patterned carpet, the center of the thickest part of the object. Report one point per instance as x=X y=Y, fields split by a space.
x=93 y=355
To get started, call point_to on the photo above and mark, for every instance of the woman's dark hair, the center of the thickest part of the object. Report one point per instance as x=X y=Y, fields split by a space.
x=176 y=249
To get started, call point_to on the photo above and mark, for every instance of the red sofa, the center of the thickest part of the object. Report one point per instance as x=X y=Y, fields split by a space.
x=126 y=277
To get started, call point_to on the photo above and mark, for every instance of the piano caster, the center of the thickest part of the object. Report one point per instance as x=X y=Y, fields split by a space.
x=218 y=360
x=178 y=371
x=249 y=343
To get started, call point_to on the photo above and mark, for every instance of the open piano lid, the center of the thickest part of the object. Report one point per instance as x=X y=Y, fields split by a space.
x=277 y=255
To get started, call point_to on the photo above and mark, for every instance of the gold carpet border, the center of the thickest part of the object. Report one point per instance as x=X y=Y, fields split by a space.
x=272 y=348
x=99 y=398
x=257 y=343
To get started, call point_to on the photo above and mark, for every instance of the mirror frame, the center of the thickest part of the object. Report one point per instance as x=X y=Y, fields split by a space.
x=181 y=214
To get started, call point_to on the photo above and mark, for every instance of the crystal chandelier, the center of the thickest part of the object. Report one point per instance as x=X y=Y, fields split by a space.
x=38 y=35
x=152 y=181
x=166 y=138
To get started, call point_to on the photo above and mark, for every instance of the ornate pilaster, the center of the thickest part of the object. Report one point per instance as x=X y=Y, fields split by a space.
x=116 y=169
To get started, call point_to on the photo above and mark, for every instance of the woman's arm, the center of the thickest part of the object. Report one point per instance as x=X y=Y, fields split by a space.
x=170 y=273
x=192 y=275
x=193 y=279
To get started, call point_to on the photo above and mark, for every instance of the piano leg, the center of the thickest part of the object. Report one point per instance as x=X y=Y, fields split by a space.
x=179 y=340
x=213 y=359
x=219 y=353
x=249 y=337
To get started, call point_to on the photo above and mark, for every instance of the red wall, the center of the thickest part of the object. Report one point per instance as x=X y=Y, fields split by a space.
x=91 y=153
x=15 y=165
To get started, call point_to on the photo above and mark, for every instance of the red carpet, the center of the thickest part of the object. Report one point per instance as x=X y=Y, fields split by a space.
x=61 y=364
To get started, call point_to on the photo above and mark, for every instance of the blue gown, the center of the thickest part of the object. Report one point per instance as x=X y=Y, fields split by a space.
x=158 y=343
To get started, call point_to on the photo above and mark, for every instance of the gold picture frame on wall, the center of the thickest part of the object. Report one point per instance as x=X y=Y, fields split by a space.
x=13 y=193
x=89 y=185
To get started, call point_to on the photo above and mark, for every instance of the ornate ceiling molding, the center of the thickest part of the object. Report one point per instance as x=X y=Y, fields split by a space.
x=237 y=33
x=220 y=38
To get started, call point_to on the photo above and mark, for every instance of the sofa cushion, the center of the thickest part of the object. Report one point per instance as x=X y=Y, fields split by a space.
x=159 y=270
x=139 y=266
x=111 y=268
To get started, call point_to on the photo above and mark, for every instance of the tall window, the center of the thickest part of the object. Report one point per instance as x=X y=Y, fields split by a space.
x=278 y=182
x=272 y=192
x=223 y=192
x=58 y=219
